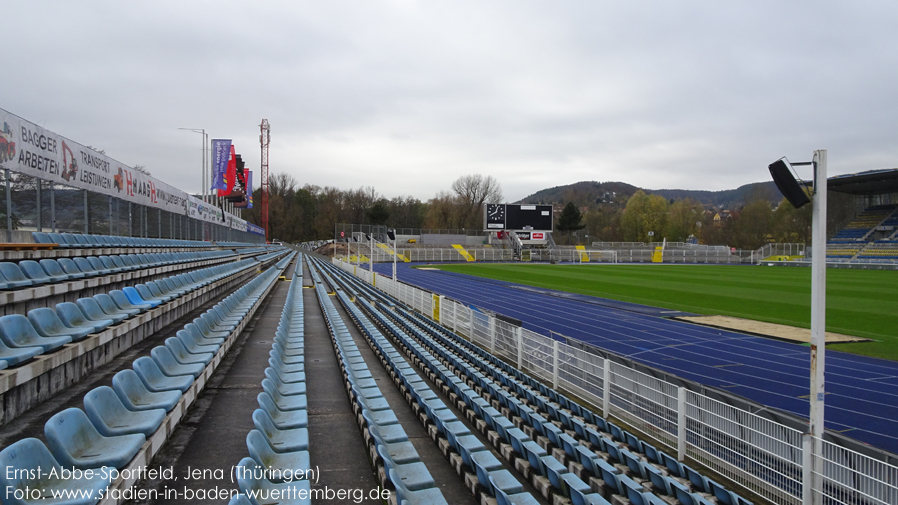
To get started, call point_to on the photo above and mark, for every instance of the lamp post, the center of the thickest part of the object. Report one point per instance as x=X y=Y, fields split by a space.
x=203 y=171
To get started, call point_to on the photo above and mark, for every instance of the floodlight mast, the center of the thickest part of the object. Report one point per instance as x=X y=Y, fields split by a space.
x=818 y=294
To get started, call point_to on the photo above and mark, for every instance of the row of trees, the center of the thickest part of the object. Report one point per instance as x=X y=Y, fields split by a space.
x=302 y=213
x=748 y=227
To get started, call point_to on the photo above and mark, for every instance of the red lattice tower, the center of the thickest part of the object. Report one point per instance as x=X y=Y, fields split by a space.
x=265 y=139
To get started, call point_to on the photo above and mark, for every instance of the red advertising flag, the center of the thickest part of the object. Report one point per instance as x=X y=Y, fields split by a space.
x=231 y=174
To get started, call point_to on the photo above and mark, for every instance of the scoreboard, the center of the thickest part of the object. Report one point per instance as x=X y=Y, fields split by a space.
x=514 y=217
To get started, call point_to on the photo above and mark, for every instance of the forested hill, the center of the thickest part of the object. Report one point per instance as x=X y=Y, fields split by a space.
x=589 y=192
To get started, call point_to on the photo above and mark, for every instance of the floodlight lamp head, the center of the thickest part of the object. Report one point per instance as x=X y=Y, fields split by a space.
x=391 y=234
x=781 y=172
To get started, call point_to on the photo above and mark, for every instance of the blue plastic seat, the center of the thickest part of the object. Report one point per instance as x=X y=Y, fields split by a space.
x=150 y=291
x=72 y=316
x=123 y=302
x=40 y=237
x=282 y=466
x=136 y=298
x=171 y=367
x=282 y=419
x=47 y=323
x=34 y=271
x=12 y=356
x=580 y=498
x=111 y=418
x=111 y=309
x=181 y=354
x=55 y=270
x=93 y=311
x=13 y=277
x=71 y=268
x=56 y=238
x=154 y=380
x=135 y=395
x=17 y=331
x=97 y=264
x=75 y=442
x=281 y=440
x=203 y=338
x=523 y=498
x=28 y=464
x=248 y=472
x=295 y=401
x=194 y=347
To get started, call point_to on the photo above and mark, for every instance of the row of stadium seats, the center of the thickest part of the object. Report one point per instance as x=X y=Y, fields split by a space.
x=278 y=446
x=45 y=329
x=116 y=422
x=561 y=428
x=50 y=271
x=409 y=476
x=87 y=240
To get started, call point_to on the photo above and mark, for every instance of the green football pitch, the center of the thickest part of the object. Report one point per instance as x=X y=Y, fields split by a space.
x=862 y=303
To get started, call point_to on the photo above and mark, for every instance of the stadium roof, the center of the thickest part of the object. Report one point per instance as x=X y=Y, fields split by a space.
x=871 y=182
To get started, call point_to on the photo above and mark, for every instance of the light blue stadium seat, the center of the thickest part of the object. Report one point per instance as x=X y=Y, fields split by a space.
x=276 y=371
x=248 y=470
x=283 y=466
x=524 y=498
x=96 y=264
x=192 y=346
x=281 y=440
x=47 y=323
x=75 y=442
x=72 y=316
x=92 y=310
x=111 y=418
x=581 y=498
x=123 y=302
x=34 y=271
x=12 y=356
x=282 y=419
x=150 y=291
x=109 y=264
x=207 y=332
x=40 y=237
x=13 y=277
x=135 y=395
x=36 y=465
x=108 y=306
x=283 y=401
x=171 y=367
x=153 y=378
x=136 y=298
x=58 y=239
x=181 y=354
x=71 y=268
x=55 y=270
x=17 y=331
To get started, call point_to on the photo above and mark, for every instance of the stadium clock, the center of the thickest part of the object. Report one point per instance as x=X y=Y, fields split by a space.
x=495 y=216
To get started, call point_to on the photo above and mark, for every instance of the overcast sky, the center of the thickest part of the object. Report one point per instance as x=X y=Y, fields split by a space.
x=407 y=96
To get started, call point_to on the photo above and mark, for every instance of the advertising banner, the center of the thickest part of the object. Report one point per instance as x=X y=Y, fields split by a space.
x=230 y=174
x=221 y=151
x=30 y=149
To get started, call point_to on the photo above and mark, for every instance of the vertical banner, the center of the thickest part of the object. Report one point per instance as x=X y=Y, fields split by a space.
x=221 y=150
x=249 y=189
x=230 y=174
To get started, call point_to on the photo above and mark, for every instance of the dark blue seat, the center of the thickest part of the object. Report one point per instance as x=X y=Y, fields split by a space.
x=47 y=323
x=40 y=237
x=57 y=239
x=97 y=264
x=75 y=442
x=28 y=464
x=13 y=277
x=87 y=267
x=17 y=331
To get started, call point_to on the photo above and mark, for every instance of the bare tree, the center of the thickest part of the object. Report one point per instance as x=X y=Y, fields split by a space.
x=475 y=190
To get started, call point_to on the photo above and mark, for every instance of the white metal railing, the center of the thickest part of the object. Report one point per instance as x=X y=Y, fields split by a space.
x=766 y=458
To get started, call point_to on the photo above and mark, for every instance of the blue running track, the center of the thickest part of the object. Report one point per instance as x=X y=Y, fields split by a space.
x=861 y=392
